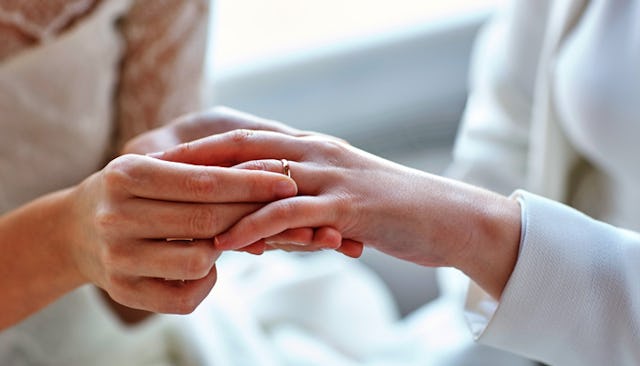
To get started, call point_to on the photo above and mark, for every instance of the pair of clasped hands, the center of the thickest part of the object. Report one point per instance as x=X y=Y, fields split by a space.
x=217 y=177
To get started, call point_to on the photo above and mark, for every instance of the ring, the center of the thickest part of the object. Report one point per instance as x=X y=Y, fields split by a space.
x=286 y=170
x=179 y=239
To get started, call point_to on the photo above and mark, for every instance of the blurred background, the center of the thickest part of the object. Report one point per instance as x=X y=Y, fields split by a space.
x=388 y=76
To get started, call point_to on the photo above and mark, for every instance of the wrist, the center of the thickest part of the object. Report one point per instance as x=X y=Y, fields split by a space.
x=37 y=267
x=493 y=233
x=67 y=236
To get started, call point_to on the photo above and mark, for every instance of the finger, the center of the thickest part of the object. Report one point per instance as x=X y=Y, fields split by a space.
x=237 y=146
x=297 y=237
x=146 y=177
x=256 y=248
x=327 y=238
x=223 y=119
x=160 y=296
x=177 y=260
x=153 y=219
x=351 y=248
x=276 y=217
x=305 y=239
x=310 y=178
x=288 y=247
x=313 y=240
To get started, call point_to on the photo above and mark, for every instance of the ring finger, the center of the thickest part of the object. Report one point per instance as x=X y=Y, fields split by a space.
x=308 y=177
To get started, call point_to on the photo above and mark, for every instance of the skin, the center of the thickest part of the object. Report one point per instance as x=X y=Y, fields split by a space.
x=409 y=214
x=220 y=120
x=110 y=229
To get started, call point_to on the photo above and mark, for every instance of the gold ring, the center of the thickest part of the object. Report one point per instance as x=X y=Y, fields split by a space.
x=286 y=170
x=179 y=239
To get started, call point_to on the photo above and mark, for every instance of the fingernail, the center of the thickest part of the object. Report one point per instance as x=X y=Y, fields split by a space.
x=156 y=154
x=286 y=188
x=276 y=243
x=256 y=251
x=219 y=241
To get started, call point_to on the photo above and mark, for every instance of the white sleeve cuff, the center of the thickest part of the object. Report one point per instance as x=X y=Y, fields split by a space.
x=573 y=295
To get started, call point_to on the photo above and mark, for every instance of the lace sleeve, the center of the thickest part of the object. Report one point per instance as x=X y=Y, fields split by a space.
x=162 y=69
x=26 y=23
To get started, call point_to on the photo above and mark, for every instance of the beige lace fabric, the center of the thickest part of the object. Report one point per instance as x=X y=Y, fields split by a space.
x=161 y=71
x=24 y=23
x=76 y=83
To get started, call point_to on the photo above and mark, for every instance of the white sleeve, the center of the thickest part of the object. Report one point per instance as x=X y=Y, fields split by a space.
x=574 y=295
x=493 y=140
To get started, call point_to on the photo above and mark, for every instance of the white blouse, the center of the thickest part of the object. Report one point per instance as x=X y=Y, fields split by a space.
x=573 y=296
x=597 y=94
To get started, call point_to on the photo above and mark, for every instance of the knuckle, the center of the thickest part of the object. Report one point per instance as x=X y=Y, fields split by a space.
x=241 y=136
x=114 y=283
x=117 y=288
x=125 y=293
x=184 y=148
x=120 y=171
x=256 y=165
x=201 y=184
x=107 y=220
x=333 y=149
x=197 y=266
x=186 y=304
x=284 y=210
x=113 y=258
x=203 y=222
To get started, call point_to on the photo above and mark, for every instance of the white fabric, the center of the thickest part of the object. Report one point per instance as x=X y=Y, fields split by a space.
x=273 y=310
x=573 y=298
x=596 y=83
x=597 y=96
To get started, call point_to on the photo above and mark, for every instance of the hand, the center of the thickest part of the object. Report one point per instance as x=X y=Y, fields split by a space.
x=202 y=124
x=219 y=120
x=406 y=213
x=123 y=214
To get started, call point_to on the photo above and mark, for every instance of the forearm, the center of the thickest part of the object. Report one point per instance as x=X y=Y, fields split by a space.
x=36 y=266
x=457 y=225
